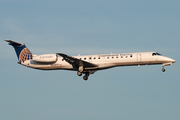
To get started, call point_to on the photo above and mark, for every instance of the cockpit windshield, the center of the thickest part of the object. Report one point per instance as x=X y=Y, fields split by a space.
x=155 y=54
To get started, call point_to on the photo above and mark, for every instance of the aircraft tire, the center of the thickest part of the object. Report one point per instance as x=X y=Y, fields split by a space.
x=79 y=73
x=85 y=77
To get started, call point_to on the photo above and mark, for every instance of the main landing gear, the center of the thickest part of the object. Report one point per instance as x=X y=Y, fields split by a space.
x=86 y=76
x=81 y=68
x=79 y=73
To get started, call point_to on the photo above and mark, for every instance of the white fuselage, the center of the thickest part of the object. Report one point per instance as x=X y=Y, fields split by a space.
x=87 y=64
x=104 y=61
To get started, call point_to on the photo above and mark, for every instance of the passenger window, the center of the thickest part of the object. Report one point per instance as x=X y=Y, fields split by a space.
x=112 y=57
x=121 y=56
x=117 y=57
x=131 y=56
x=107 y=57
x=126 y=56
x=90 y=58
x=99 y=58
x=84 y=58
x=94 y=58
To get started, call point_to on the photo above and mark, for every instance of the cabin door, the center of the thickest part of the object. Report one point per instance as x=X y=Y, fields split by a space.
x=138 y=58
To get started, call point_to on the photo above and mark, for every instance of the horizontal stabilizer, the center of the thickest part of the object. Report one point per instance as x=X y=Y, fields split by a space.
x=14 y=43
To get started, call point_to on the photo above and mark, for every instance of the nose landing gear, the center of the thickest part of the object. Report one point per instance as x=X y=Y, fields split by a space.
x=163 y=69
x=166 y=64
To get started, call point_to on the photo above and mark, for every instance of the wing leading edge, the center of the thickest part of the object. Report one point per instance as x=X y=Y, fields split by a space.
x=75 y=62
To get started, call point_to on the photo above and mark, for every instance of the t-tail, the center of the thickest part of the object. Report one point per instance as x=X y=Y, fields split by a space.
x=21 y=50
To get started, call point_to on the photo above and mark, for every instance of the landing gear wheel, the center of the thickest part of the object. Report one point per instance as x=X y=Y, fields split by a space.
x=163 y=70
x=79 y=73
x=85 y=77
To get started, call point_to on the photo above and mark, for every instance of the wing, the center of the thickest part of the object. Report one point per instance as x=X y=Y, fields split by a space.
x=76 y=63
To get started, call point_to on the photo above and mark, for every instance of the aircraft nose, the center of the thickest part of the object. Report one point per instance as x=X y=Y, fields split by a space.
x=171 y=60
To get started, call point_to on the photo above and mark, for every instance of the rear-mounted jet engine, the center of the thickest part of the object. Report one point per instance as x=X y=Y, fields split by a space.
x=46 y=58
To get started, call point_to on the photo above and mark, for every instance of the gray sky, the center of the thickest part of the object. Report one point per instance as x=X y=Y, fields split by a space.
x=90 y=27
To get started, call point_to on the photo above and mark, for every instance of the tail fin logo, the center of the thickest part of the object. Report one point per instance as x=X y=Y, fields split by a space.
x=25 y=55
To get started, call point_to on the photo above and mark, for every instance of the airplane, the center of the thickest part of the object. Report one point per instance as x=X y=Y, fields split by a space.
x=86 y=64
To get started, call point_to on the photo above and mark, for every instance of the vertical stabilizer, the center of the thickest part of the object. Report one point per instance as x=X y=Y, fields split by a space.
x=21 y=50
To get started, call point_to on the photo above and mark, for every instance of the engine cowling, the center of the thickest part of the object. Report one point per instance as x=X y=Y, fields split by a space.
x=46 y=58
